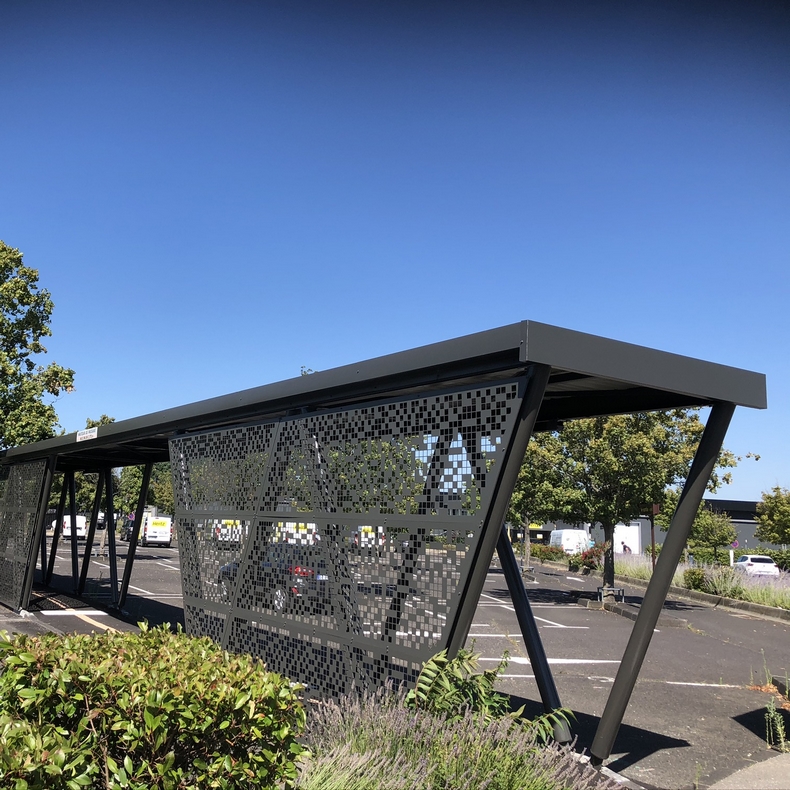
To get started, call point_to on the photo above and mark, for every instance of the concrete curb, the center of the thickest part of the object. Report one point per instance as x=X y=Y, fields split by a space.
x=631 y=613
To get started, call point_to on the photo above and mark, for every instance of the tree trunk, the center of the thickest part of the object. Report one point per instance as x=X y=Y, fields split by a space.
x=608 y=555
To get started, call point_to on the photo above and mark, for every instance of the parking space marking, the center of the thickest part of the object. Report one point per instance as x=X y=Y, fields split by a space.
x=72 y=612
x=140 y=589
x=563 y=661
x=710 y=685
x=169 y=567
x=552 y=624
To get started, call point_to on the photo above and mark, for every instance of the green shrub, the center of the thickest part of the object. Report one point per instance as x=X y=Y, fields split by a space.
x=450 y=687
x=375 y=743
x=591 y=558
x=543 y=552
x=694 y=578
x=148 y=710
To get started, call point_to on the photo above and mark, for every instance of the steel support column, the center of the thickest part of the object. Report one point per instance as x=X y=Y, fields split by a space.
x=529 y=630
x=657 y=589
x=109 y=512
x=138 y=518
x=75 y=557
x=38 y=536
x=91 y=532
x=53 y=549
x=535 y=382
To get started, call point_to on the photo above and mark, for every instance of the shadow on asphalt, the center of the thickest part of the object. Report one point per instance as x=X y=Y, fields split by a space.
x=135 y=609
x=754 y=720
x=634 y=741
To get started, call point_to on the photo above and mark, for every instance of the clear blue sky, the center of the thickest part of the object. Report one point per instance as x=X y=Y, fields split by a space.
x=217 y=193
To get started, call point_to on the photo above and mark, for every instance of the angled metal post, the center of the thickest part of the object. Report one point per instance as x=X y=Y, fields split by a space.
x=75 y=557
x=536 y=380
x=529 y=630
x=138 y=518
x=109 y=512
x=38 y=536
x=657 y=589
x=91 y=532
x=53 y=549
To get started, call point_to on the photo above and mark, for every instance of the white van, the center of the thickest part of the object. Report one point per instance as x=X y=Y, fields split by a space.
x=156 y=530
x=571 y=541
x=82 y=527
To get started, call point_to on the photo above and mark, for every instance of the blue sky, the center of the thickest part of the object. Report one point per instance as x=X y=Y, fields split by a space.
x=218 y=193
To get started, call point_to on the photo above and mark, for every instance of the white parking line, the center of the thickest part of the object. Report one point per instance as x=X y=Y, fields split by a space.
x=552 y=624
x=140 y=589
x=710 y=685
x=73 y=612
x=564 y=661
x=169 y=567
x=574 y=579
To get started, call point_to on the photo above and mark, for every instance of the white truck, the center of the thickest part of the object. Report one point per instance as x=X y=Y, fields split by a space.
x=82 y=527
x=571 y=541
x=156 y=530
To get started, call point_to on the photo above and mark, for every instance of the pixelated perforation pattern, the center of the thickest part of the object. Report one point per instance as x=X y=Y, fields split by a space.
x=366 y=523
x=21 y=495
x=418 y=457
x=221 y=471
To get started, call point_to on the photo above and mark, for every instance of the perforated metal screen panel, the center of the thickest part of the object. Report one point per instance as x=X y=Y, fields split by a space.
x=20 y=495
x=336 y=545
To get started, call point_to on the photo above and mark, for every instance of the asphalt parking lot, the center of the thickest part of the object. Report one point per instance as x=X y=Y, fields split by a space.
x=696 y=715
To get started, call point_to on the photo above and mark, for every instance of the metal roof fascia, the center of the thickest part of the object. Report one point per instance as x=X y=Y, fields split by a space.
x=613 y=359
x=444 y=353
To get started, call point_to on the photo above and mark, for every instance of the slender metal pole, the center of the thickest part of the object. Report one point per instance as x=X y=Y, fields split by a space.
x=529 y=630
x=91 y=532
x=536 y=381
x=39 y=536
x=53 y=549
x=109 y=511
x=138 y=518
x=75 y=557
x=657 y=589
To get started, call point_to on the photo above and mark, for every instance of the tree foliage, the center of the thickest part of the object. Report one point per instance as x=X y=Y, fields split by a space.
x=607 y=470
x=711 y=529
x=773 y=517
x=25 y=312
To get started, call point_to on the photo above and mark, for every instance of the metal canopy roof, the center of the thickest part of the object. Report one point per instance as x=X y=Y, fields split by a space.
x=591 y=376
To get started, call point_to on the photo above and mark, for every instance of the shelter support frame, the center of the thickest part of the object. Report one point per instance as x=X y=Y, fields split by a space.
x=656 y=593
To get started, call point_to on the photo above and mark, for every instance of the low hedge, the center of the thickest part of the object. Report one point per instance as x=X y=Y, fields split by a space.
x=137 y=711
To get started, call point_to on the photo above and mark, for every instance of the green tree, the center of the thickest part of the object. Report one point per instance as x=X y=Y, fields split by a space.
x=773 y=517
x=25 y=313
x=84 y=482
x=160 y=489
x=606 y=470
x=711 y=528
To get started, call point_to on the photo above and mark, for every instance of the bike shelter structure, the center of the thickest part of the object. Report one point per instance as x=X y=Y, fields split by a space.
x=340 y=525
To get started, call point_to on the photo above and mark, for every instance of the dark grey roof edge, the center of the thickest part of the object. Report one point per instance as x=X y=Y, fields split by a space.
x=614 y=359
x=527 y=341
x=446 y=352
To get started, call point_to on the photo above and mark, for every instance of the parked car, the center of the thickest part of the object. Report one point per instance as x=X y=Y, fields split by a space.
x=287 y=575
x=82 y=527
x=756 y=565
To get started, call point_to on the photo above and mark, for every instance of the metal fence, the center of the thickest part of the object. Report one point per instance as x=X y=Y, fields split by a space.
x=337 y=546
x=20 y=499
